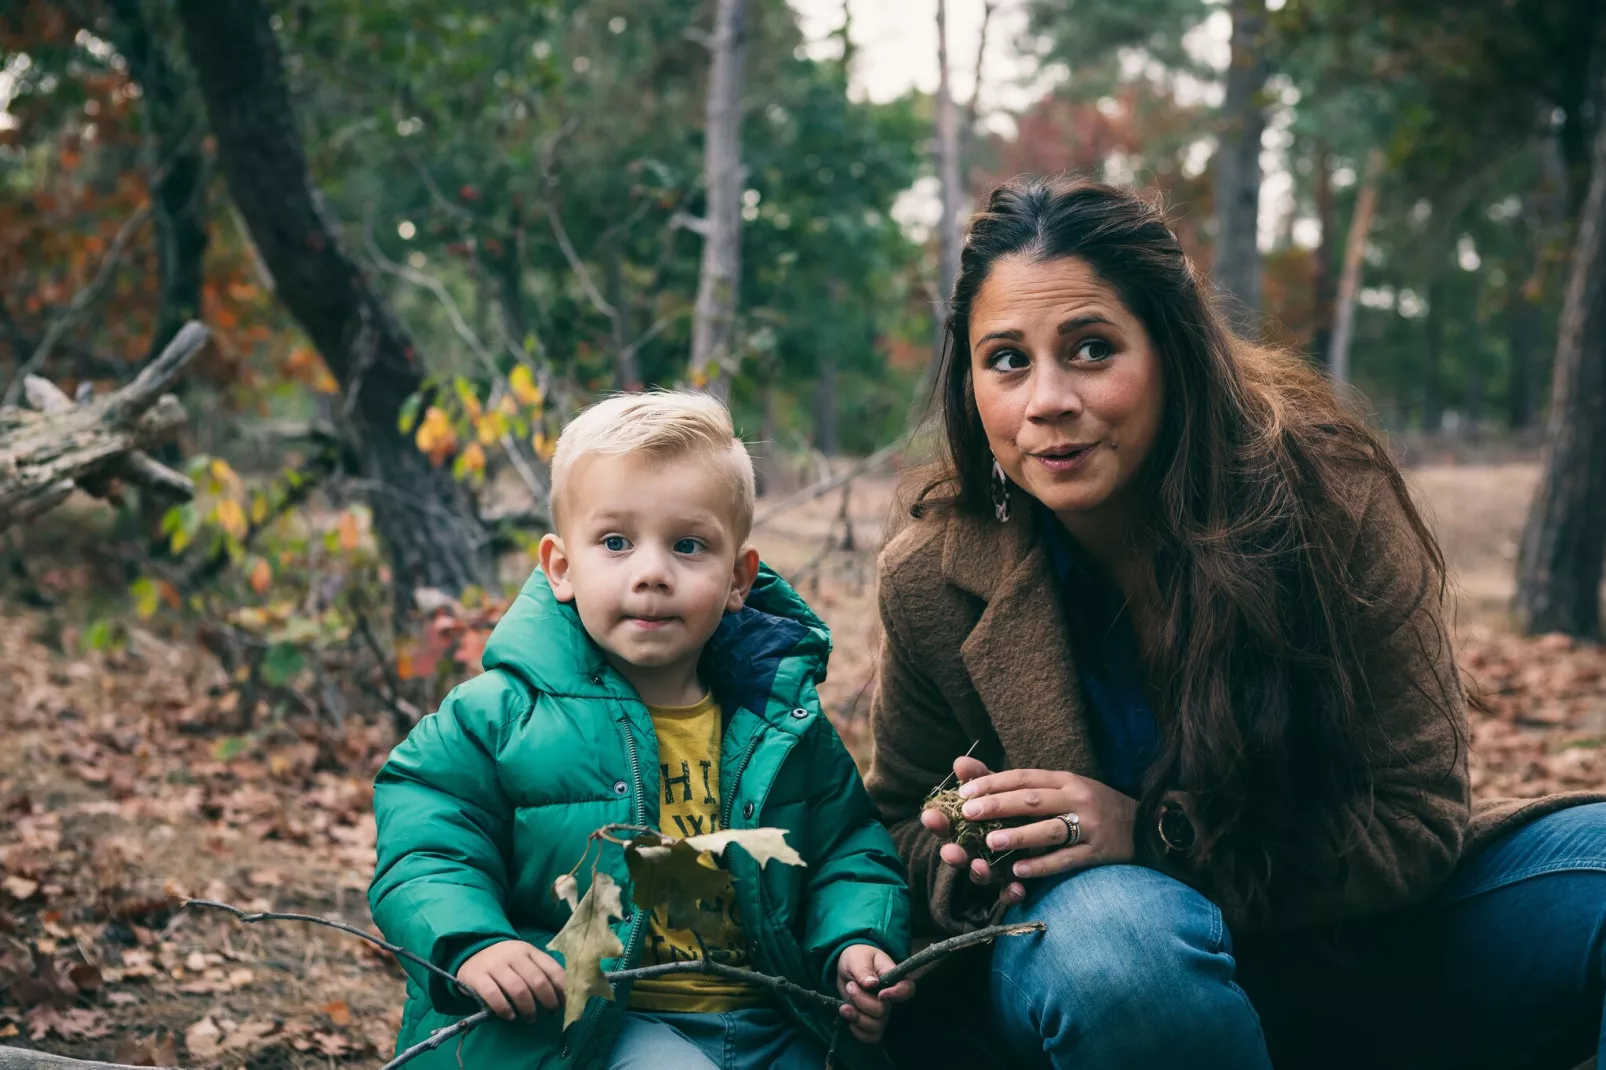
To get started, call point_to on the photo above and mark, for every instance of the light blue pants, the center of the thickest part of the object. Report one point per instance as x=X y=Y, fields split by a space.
x=733 y=1040
x=1505 y=968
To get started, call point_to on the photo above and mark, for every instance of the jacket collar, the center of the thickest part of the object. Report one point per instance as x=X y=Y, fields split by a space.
x=1018 y=655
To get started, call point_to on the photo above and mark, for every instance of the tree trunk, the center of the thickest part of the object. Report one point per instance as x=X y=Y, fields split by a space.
x=1349 y=283
x=1522 y=335
x=1432 y=360
x=1321 y=343
x=713 y=361
x=178 y=168
x=1563 y=546
x=948 y=233
x=1237 y=178
x=426 y=519
x=826 y=439
x=967 y=128
x=626 y=369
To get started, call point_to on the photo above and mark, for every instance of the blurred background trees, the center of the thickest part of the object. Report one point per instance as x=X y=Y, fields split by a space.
x=424 y=234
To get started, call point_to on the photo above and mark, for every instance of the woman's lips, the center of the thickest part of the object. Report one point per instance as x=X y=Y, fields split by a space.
x=1062 y=462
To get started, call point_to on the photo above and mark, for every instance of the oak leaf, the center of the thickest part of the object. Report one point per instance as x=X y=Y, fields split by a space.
x=584 y=941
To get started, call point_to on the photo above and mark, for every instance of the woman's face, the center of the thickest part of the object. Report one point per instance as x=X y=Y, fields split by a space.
x=1067 y=383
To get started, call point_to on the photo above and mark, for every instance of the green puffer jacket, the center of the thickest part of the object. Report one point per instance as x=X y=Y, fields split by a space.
x=491 y=798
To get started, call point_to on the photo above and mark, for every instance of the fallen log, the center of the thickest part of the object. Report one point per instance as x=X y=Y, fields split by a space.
x=24 y=1059
x=60 y=444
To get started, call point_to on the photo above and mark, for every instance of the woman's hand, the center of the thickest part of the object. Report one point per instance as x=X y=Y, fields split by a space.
x=1105 y=815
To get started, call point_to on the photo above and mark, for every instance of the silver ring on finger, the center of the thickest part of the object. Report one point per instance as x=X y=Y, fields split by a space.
x=1073 y=829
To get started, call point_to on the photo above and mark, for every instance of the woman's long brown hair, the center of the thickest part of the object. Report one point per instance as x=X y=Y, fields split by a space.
x=1261 y=657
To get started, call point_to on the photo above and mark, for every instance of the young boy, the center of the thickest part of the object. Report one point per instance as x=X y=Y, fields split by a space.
x=651 y=672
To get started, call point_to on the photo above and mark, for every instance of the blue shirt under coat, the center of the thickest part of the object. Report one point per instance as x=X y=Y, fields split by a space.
x=1106 y=651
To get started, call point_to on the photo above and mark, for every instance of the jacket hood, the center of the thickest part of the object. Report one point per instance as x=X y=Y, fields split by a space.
x=542 y=641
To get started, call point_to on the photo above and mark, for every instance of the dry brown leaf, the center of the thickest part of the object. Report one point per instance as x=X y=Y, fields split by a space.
x=584 y=941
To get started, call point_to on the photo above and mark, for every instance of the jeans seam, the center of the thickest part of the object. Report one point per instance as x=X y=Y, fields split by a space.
x=728 y=1021
x=1504 y=880
x=1025 y=999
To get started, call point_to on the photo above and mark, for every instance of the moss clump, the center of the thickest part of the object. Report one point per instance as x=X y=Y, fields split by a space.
x=971 y=835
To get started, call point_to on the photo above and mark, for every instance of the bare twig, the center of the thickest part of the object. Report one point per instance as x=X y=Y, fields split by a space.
x=925 y=957
x=826 y=486
x=439 y=1037
x=251 y=917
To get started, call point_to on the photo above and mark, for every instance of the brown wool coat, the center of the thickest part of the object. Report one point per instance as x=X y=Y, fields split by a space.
x=976 y=651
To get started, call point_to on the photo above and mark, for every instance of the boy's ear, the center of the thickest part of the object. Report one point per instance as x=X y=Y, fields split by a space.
x=555 y=564
x=742 y=577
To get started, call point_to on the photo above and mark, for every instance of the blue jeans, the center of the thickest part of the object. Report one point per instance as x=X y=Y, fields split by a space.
x=1505 y=968
x=732 y=1040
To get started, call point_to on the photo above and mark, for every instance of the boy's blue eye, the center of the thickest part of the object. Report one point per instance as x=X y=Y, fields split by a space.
x=688 y=546
x=616 y=543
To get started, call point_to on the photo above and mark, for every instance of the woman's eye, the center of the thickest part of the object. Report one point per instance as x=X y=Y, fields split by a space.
x=688 y=546
x=1095 y=350
x=1008 y=360
x=617 y=544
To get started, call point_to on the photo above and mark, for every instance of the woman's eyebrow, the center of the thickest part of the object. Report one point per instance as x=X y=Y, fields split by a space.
x=1078 y=322
x=1011 y=335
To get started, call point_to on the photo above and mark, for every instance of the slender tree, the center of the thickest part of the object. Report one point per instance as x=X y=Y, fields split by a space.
x=948 y=233
x=1237 y=178
x=713 y=360
x=426 y=520
x=1560 y=562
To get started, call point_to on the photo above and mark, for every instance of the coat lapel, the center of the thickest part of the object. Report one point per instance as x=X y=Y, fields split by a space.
x=1018 y=655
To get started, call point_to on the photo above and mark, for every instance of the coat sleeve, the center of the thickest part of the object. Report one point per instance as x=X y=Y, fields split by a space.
x=857 y=891
x=1404 y=843
x=914 y=738
x=444 y=836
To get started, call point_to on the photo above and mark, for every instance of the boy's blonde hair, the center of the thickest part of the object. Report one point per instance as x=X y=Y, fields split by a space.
x=667 y=425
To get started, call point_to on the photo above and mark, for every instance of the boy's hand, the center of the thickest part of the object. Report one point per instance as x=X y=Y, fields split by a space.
x=858 y=975
x=512 y=977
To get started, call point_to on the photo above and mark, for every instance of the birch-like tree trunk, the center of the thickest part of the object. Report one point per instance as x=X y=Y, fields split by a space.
x=713 y=360
x=948 y=233
x=1237 y=178
x=1349 y=282
x=1560 y=563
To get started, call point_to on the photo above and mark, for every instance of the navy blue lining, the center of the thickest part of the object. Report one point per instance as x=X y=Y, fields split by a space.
x=1105 y=650
x=743 y=656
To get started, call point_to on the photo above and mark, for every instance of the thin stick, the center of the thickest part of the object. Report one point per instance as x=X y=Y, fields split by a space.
x=826 y=486
x=439 y=1037
x=250 y=917
x=931 y=954
x=779 y=985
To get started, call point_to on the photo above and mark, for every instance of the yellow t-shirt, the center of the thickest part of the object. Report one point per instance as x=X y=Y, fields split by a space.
x=688 y=759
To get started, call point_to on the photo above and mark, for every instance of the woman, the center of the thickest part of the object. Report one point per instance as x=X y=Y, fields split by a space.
x=1181 y=600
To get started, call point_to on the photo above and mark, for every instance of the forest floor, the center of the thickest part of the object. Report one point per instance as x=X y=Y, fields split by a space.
x=124 y=780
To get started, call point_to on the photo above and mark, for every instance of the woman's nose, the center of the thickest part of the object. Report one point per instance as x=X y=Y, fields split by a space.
x=1052 y=393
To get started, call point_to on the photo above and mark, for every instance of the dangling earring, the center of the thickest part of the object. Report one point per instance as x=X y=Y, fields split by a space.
x=1000 y=486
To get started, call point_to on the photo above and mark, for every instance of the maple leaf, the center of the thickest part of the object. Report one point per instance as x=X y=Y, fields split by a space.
x=584 y=941
x=675 y=876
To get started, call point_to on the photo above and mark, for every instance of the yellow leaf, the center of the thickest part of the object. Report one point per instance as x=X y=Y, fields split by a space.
x=350 y=533
x=225 y=476
x=435 y=436
x=473 y=460
x=491 y=426
x=181 y=539
x=259 y=508
x=522 y=383
x=231 y=518
x=542 y=445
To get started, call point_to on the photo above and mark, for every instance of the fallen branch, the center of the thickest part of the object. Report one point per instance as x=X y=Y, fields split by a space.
x=44 y=454
x=826 y=486
x=27 y=1059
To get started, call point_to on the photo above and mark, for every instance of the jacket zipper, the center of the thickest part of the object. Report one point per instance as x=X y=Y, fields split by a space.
x=741 y=767
x=590 y=1025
